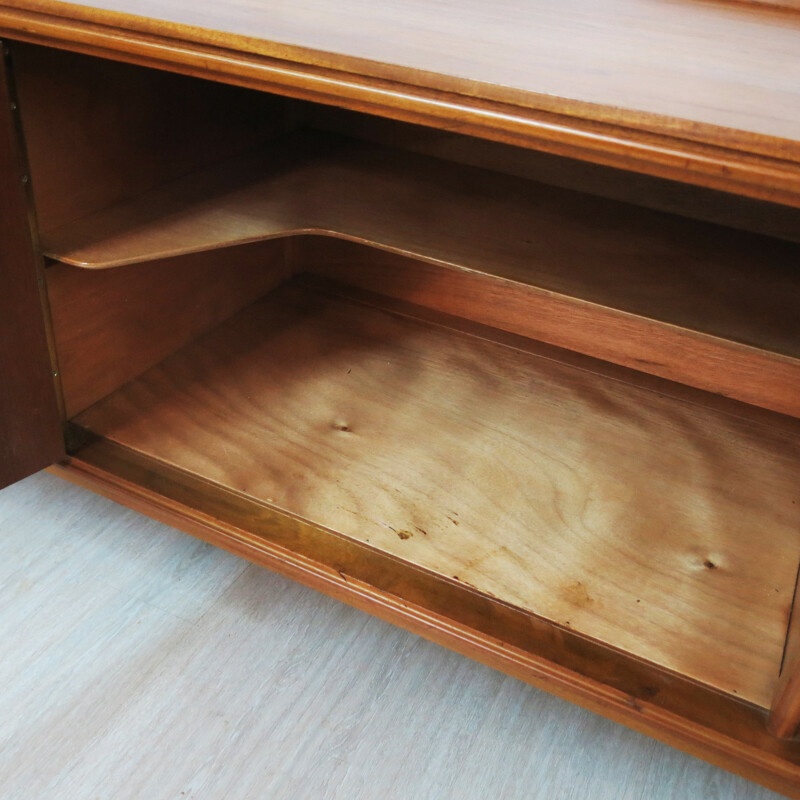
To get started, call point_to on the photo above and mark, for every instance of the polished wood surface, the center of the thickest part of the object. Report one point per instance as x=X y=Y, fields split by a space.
x=99 y=133
x=450 y=213
x=30 y=420
x=111 y=326
x=451 y=453
x=784 y=718
x=709 y=63
x=701 y=92
x=721 y=366
x=633 y=277
x=631 y=494
x=792 y=4
x=723 y=208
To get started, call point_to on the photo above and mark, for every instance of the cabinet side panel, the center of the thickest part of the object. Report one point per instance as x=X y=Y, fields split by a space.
x=98 y=132
x=30 y=426
x=784 y=718
x=111 y=325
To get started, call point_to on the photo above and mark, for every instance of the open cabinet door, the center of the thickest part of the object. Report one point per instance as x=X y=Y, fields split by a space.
x=30 y=426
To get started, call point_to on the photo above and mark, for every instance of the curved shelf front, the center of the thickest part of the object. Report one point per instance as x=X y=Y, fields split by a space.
x=706 y=305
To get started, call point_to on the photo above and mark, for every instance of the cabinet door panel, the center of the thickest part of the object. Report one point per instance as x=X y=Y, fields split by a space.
x=30 y=424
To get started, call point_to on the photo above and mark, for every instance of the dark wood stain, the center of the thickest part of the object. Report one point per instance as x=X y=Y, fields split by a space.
x=30 y=421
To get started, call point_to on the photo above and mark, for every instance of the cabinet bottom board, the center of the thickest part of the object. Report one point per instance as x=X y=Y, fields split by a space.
x=652 y=525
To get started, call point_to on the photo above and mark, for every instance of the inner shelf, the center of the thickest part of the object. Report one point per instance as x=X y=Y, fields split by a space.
x=732 y=284
x=657 y=525
x=672 y=285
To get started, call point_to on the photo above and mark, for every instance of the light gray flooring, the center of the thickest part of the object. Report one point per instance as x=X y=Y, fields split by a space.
x=137 y=662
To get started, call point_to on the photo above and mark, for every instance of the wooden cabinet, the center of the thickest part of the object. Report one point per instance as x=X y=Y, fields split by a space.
x=486 y=340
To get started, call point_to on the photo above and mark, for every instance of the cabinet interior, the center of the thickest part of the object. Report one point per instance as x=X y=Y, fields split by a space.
x=534 y=386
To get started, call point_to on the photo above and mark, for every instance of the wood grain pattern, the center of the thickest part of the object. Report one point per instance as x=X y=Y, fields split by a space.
x=708 y=278
x=99 y=132
x=642 y=529
x=30 y=419
x=116 y=626
x=701 y=92
x=630 y=55
x=784 y=718
x=454 y=214
x=111 y=326
x=720 y=366
x=574 y=256
x=723 y=116
x=722 y=208
x=790 y=4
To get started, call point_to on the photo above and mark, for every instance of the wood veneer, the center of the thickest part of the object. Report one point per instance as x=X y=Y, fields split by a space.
x=113 y=325
x=122 y=130
x=785 y=712
x=30 y=418
x=718 y=365
x=637 y=85
x=604 y=98
x=634 y=278
x=642 y=529
x=674 y=197
x=623 y=59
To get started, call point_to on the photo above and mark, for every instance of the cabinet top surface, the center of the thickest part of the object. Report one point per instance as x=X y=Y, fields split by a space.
x=725 y=64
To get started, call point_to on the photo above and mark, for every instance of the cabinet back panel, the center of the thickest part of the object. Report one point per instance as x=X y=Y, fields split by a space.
x=644 y=289
x=583 y=176
x=99 y=132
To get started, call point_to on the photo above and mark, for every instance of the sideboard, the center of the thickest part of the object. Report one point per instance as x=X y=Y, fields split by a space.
x=481 y=317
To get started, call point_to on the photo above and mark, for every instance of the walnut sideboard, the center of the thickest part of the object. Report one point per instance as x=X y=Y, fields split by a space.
x=482 y=317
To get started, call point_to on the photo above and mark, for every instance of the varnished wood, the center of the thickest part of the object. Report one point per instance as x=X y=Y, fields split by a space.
x=794 y=5
x=721 y=730
x=633 y=278
x=99 y=133
x=737 y=371
x=30 y=419
x=111 y=326
x=752 y=414
x=527 y=49
x=433 y=208
x=444 y=450
x=784 y=718
x=703 y=93
x=649 y=111
x=723 y=208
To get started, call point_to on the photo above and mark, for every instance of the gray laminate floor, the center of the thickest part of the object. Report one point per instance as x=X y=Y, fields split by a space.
x=137 y=662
